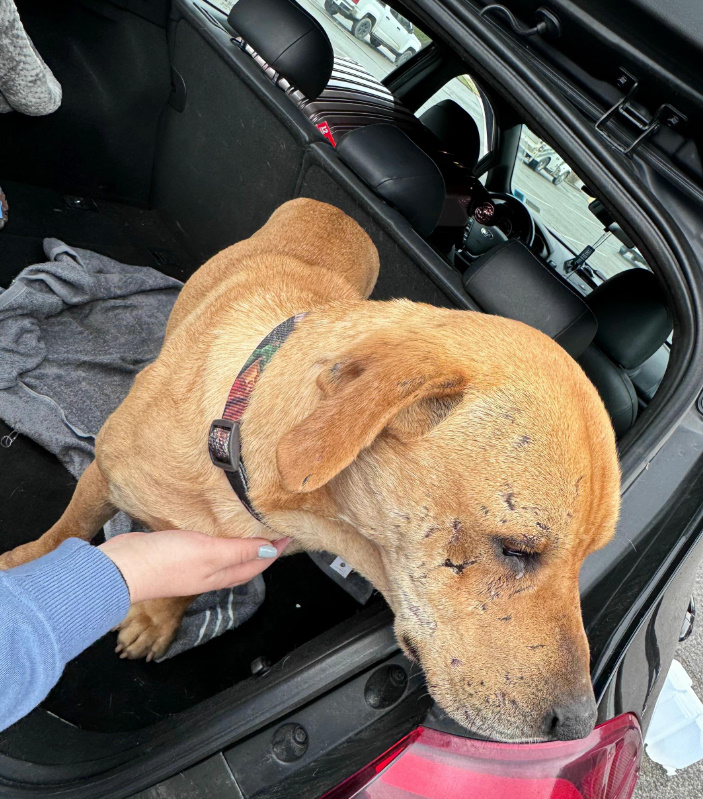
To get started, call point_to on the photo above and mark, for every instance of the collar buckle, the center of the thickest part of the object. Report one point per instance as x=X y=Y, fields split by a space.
x=224 y=444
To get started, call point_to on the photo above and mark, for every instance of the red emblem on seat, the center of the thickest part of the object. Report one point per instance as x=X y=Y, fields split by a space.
x=324 y=129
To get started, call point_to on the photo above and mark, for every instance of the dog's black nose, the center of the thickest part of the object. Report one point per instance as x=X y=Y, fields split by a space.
x=572 y=719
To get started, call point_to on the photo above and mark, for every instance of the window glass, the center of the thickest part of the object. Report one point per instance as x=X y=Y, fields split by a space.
x=369 y=32
x=554 y=195
x=463 y=91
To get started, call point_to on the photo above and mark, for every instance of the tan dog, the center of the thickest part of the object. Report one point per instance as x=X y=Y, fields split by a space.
x=462 y=462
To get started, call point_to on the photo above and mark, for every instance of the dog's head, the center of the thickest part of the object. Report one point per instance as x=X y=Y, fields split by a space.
x=477 y=456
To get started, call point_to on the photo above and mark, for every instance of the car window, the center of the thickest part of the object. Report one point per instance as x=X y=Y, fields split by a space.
x=464 y=91
x=369 y=32
x=554 y=195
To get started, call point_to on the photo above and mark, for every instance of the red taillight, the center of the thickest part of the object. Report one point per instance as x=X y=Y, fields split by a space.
x=428 y=764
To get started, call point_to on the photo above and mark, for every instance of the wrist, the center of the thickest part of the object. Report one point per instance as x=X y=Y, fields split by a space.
x=120 y=550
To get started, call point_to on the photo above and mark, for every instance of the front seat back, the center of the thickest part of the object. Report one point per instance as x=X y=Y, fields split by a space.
x=511 y=281
x=456 y=130
x=634 y=321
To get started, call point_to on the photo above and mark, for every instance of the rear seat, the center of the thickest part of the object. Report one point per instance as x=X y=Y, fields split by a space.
x=229 y=125
x=634 y=321
x=346 y=97
x=287 y=42
x=353 y=98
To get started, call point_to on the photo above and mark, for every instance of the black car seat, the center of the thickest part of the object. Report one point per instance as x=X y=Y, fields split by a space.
x=340 y=98
x=511 y=281
x=634 y=321
x=398 y=171
x=294 y=50
x=456 y=130
x=353 y=99
x=289 y=44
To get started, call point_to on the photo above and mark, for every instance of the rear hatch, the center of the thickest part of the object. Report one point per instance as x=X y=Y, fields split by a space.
x=638 y=59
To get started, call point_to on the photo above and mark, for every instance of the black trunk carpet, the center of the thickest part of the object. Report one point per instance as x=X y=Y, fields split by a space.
x=101 y=692
x=126 y=233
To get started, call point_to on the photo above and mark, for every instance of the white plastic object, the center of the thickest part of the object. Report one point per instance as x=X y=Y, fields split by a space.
x=675 y=735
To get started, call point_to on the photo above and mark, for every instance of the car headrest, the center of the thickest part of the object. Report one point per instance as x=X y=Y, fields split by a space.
x=510 y=281
x=289 y=39
x=398 y=171
x=634 y=320
x=456 y=130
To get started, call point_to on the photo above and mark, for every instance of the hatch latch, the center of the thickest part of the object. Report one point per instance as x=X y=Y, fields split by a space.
x=624 y=110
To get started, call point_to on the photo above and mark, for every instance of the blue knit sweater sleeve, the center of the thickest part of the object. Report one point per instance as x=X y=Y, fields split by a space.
x=50 y=610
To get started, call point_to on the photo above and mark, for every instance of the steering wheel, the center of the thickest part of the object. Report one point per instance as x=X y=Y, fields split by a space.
x=511 y=220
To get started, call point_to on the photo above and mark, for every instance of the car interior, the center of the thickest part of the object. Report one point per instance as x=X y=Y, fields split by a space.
x=182 y=128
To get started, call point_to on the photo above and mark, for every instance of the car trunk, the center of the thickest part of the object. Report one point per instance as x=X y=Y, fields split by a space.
x=104 y=704
x=101 y=693
x=171 y=144
x=127 y=168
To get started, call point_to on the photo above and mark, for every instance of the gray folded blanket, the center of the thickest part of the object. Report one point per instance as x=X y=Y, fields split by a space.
x=74 y=332
x=26 y=83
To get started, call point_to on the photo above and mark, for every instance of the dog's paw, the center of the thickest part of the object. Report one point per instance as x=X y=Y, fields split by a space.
x=148 y=629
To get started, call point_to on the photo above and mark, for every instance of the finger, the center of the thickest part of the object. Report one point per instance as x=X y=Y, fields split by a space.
x=243 y=572
x=238 y=575
x=281 y=544
x=236 y=551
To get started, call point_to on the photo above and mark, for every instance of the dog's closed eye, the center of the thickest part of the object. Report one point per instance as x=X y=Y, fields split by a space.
x=516 y=552
x=521 y=557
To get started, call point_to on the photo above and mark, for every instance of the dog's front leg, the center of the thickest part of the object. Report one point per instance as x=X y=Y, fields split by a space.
x=89 y=509
x=149 y=627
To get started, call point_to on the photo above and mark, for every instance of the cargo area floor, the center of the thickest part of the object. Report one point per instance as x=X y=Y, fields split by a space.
x=98 y=691
x=126 y=233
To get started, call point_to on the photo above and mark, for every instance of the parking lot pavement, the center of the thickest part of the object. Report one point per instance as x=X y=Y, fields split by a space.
x=564 y=209
x=654 y=783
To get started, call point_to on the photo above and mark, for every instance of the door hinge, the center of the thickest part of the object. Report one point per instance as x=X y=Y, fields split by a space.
x=624 y=110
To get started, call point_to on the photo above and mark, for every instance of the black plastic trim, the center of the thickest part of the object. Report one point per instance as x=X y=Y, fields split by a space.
x=216 y=723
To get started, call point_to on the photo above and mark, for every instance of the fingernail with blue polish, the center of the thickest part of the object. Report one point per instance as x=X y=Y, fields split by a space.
x=267 y=551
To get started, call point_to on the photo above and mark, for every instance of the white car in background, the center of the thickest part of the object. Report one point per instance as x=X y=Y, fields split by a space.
x=542 y=158
x=380 y=23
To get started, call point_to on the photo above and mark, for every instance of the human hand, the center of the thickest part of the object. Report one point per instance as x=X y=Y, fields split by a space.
x=183 y=563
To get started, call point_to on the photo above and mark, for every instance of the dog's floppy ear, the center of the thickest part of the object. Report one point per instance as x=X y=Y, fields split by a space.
x=363 y=393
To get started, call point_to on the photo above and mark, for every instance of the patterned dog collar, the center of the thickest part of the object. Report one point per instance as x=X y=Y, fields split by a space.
x=224 y=439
